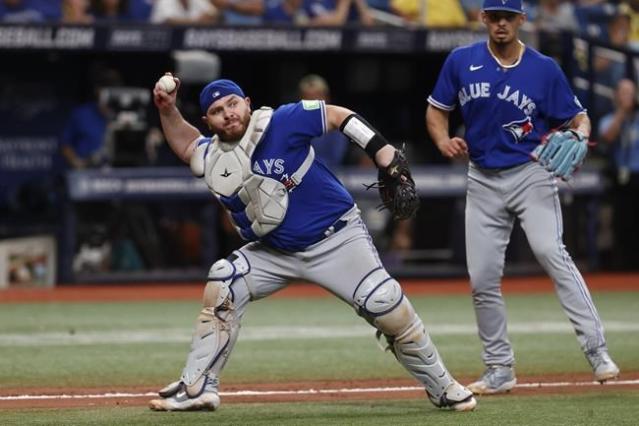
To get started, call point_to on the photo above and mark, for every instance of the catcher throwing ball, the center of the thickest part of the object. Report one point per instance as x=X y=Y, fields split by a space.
x=510 y=96
x=300 y=223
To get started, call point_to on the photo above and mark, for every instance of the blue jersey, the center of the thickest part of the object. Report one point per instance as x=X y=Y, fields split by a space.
x=506 y=110
x=86 y=130
x=320 y=199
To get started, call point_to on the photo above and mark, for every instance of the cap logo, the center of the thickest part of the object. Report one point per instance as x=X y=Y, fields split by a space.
x=218 y=89
x=504 y=2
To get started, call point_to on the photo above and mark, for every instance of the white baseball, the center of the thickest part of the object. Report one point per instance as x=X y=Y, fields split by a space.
x=167 y=83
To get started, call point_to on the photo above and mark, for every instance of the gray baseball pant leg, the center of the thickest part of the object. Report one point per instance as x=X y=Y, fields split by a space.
x=540 y=214
x=488 y=229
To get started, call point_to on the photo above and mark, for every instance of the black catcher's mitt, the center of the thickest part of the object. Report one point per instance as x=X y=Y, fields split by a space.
x=397 y=188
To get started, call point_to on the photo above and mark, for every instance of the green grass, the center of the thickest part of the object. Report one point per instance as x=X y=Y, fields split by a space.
x=56 y=362
x=82 y=345
x=596 y=408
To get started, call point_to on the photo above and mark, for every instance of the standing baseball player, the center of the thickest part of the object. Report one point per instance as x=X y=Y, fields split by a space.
x=510 y=96
x=301 y=224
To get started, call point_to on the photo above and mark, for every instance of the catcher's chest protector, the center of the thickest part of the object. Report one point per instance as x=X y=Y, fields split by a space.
x=257 y=203
x=226 y=165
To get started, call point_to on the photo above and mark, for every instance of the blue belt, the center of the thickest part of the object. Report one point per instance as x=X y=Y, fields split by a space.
x=335 y=227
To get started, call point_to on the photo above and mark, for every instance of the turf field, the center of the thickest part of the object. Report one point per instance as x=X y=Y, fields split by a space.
x=304 y=360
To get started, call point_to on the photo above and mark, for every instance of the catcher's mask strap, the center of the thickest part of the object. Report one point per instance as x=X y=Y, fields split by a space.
x=363 y=134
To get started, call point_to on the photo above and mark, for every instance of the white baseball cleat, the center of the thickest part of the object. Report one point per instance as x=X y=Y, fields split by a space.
x=603 y=367
x=496 y=379
x=175 y=397
x=456 y=397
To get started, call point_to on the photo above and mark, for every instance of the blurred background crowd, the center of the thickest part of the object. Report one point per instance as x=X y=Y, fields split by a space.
x=94 y=112
x=592 y=17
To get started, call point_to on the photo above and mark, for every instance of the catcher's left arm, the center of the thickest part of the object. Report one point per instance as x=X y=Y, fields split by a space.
x=396 y=185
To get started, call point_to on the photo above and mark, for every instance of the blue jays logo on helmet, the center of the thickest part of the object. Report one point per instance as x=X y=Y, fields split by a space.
x=514 y=6
x=519 y=128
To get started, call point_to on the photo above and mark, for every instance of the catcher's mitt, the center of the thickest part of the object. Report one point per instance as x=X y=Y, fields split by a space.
x=562 y=152
x=397 y=188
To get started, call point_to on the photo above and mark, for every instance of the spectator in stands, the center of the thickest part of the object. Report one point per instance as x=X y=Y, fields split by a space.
x=553 y=17
x=593 y=15
x=240 y=12
x=76 y=12
x=110 y=10
x=332 y=146
x=633 y=13
x=620 y=129
x=472 y=8
x=431 y=13
x=337 y=12
x=83 y=140
x=140 y=10
x=26 y=11
x=609 y=68
x=184 y=12
x=283 y=12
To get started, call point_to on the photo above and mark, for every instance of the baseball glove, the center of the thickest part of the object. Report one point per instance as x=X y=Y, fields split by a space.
x=562 y=152
x=397 y=188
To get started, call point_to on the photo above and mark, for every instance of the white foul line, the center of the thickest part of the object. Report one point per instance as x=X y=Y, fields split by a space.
x=304 y=391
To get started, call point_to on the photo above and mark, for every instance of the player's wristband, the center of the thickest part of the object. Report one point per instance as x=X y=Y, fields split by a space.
x=580 y=136
x=363 y=134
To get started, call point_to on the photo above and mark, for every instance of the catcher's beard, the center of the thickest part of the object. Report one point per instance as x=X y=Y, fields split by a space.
x=234 y=135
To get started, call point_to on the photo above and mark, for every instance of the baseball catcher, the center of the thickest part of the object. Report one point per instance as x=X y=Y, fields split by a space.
x=299 y=222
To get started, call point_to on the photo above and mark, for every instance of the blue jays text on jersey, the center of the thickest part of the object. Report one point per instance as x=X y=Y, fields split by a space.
x=320 y=200
x=506 y=109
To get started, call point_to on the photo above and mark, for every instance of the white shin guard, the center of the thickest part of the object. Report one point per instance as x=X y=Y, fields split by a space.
x=216 y=330
x=417 y=353
x=379 y=299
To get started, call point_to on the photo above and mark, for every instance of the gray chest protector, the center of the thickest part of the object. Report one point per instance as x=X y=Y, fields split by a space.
x=257 y=204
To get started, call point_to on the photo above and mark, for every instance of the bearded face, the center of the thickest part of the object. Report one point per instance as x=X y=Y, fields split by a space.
x=229 y=117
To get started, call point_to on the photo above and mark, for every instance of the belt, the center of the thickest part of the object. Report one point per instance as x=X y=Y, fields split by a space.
x=335 y=227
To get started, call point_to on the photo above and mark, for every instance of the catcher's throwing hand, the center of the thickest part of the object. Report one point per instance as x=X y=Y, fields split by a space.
x=397 y=187
x=454 y=148
x=165 y=101
x=562 y=152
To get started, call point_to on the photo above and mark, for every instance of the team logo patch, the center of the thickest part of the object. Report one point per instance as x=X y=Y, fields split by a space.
x=310 y=105
x=519 y=128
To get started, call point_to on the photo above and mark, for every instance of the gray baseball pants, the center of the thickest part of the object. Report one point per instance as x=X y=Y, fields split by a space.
x=494 y=199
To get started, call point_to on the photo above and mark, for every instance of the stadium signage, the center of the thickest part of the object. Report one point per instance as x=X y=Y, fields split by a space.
x=36 y=37
x=141 y=38
x=444 y=41
x=256 y=39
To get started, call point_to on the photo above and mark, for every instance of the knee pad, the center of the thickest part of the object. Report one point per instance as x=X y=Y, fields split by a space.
x=379 y=299
x=377 y=294
x=217 y=326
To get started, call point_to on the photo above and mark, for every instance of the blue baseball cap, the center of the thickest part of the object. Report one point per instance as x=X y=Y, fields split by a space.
x=217 y=89
x=514 y=6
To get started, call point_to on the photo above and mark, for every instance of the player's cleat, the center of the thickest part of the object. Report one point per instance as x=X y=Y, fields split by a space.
x=456 y=397
x=603 y=367
x=496 y=379
x=174 y=397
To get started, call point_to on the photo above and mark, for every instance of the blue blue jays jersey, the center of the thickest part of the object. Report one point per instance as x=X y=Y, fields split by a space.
x=506 y=110
x=320 y=199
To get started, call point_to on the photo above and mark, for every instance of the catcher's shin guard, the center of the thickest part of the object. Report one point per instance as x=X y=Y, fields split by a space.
x=216 y=330
x=380 y=300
